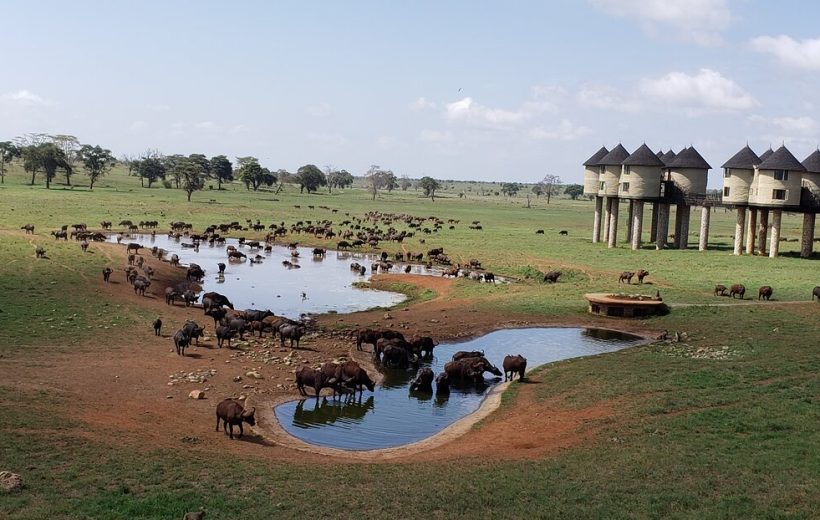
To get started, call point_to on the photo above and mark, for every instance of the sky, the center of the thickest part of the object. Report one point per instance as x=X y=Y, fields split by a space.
x=496 y=91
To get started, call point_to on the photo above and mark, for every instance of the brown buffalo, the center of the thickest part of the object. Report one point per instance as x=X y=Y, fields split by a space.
x=815 y=293
x=470 y=369
x=231 y=413
x=738 y=289
x=514 y=364
x=641 y=275
x=765 y=292
x=626 y=277
x=720 y=290
x=552 y=276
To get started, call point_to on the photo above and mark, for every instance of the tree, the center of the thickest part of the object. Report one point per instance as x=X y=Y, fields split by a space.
x=52 y=158
x=510 y=188
x=538 y=189
x=404 y=183
x=70 y=146
x=376 y=179
x=8 y=151
x=170 y=162
x=331 y=176
x=310 y=178
x=151 y=167
x=96 y=161
x=252 y=174
x=191 y=174
x=552 y=185
x=574 y=191
x=221 y=170
x=31 y=160
x=429 y=185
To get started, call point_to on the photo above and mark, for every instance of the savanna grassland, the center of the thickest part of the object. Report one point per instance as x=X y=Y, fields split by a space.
x=723 y=424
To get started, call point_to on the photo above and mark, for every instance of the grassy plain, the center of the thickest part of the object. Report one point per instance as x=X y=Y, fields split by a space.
x=721 y=426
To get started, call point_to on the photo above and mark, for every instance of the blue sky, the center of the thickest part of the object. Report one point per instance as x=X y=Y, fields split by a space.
x=463 y=90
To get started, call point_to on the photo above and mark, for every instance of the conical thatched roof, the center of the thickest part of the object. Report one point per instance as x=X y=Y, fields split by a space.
x=782 y=159
x=812 y=162
x=615 y=157
x=668 y=157
x=593 y=161
x=689 y=158
x=765 y=155
x=745 y=159
x=643 y=156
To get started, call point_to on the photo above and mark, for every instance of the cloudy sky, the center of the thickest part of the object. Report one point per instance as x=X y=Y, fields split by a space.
x=457 y=89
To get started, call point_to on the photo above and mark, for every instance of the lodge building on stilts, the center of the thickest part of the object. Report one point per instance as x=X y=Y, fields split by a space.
x=758 y=188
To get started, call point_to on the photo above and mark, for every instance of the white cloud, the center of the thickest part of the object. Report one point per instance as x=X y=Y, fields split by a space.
x=387 y=141
x=707 y=90
x=320 y=110
x=138 y=125
x=565 y=131
x=206 y=125
x=698 y=21
x=25 y=98
x=606 y=98
x=327 y=141
x=469 y=111
x=545 y=98
x=796 y=125
x=422 y=103
x=436 y=136
x=160 y=108
x=803 y=54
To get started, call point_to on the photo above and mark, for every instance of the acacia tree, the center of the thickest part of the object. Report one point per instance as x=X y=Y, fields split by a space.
x=96 y=161
x=221 y=169
x=70 y=146
x=404 y=183
x=252 y=174
x=574 y=191
x=376 y=179
x=170 y=162
x=8 y=151
x=52 y=158
x=538 y=189
x=429 y=185
x=552 y=185
x=150 y=167
x=510 y=188
x=310 y=178
x=191 y=175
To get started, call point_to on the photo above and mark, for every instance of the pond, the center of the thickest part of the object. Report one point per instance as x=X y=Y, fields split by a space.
x=321 y=285
x=392 y=416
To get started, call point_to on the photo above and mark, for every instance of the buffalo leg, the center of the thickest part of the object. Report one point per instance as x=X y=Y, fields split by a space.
x=241 y=431
x=217 y=423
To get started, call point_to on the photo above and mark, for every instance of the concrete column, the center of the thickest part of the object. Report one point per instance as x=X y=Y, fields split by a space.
x=740 y=223
x=596 y=220
x=637 y=224
x=653 y=227
x=703 y=238
x=684 y=212
x=662 y=231
x=762 y=231
x=774 y=247
x=676 y=241
x=628 y=238
x=751 y=230
x=613 y=223
x=607 y=216
x=807 y=240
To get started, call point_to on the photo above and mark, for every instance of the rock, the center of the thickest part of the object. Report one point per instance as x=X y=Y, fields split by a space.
x=10 y=482
x=169 y=397
x=254 y=374
x=237 y=379
x=197 y=394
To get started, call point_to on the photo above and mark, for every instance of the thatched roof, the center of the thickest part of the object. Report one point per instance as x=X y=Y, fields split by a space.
x=668 y=157
x=745 y=159
x=643 y=156
x=615 y=157
x=689 y=158
x=812 y=162
x=593 y=161
x=765 y=155
x=782 y=159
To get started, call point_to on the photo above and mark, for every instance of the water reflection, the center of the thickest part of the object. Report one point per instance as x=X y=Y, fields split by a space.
x=312 y=413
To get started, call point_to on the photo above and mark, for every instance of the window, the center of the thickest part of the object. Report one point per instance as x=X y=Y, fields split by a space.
x=601 y=170
x=627 y=170
x=727 y=173
x=625 y=187
x=779 y=194
x=726 y=191
x=603 y=185
x=781 y=175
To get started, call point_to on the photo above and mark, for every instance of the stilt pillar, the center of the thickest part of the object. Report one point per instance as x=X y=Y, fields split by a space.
x=751 y=230
x=653 y=227
x=807 y=239
x=596 y=221
x=607 y=217
x=703 y=238
x=683 y=239
x=637 y=223
x=774 y=247
x=662 y=231
x=740 y=224
x=676 y=240
x=629 y=213
x=613 y=223
x=762 y=231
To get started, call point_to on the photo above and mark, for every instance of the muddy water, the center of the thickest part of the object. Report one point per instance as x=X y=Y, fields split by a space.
x=320 y=285
x=393 y=416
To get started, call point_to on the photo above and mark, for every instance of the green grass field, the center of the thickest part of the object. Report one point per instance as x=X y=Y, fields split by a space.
x=723 y=426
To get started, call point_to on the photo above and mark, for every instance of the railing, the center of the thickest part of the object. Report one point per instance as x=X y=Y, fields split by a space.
x=809 y=199
x=671 y=193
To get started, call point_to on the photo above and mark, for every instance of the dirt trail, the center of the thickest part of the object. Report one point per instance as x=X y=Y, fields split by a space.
x=124 y=397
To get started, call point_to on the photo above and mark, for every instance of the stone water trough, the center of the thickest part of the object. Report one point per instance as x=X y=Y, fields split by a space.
x=625 y=305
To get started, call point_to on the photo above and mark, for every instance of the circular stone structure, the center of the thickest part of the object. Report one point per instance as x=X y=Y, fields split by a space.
x=624 y=305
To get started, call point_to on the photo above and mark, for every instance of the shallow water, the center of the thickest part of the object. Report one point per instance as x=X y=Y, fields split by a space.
x=392 y=416
x=327 y=283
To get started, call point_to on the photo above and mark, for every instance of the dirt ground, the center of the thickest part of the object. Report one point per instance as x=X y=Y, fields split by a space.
x=138 y=394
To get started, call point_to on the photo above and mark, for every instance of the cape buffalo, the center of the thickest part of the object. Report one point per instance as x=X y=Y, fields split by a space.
x=354 y=376
x=552 y=276
x=738 y=289
x=815 y=293
x=231 y=413
x=293 y=332
x=470 y=369
x=442 y=383
x=626 y=277
x=461 y=354
x=514 y=364
x=423 y=382
x=193 y=330
x=720 y=290
x=181 y=340
x=641 y=275
x=107 y=274
x=306 y=376
x=157 y=327
x=215 y=300
x=765 y=292
x=223 y=333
